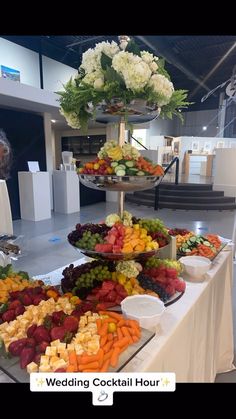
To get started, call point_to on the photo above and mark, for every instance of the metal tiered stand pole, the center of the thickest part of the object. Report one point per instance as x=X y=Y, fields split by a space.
x=121 y=142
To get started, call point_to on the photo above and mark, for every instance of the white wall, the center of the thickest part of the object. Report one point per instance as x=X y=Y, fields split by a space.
x=55 y=74
x=22 y=59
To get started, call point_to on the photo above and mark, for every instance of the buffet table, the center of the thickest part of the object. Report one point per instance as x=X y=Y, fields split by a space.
x=195 y=337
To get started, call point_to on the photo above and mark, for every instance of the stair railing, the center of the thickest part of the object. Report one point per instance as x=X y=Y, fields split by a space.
x=157 y=188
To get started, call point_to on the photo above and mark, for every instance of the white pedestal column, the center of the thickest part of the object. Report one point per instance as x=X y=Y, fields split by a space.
x=66 y=192
x=225 y=171
x=35 y=202
x=5 y=210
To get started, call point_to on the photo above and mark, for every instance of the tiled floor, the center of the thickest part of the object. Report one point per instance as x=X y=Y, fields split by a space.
x=46 y=247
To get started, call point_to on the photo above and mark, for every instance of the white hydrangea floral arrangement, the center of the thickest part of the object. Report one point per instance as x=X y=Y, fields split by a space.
x=121 y=71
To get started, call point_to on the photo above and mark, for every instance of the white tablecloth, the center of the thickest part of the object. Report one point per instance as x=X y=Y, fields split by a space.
x=195 y=337
x=5 y=210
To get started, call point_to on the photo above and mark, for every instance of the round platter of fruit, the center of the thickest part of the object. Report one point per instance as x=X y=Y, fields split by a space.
x=120 y=168
x=120 y=239
x=105 y=284
x=191 y=244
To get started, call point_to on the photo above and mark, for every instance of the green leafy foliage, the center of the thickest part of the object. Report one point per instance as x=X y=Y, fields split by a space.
x=133 y=47
x=105 y=61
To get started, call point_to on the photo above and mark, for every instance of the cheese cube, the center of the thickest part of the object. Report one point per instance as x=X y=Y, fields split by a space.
x=54 y=359
x=55 y=342
x=61 y=347
x=59 y=364
x=70 y=347
x=44 y=360
x=51 y=351
x=64 y=355
x=88 y=313
x=45 y=368
x=32 y=367
x=78 y=349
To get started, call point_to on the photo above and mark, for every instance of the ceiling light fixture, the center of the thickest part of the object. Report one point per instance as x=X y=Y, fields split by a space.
x=204 y=128
x=53 y=121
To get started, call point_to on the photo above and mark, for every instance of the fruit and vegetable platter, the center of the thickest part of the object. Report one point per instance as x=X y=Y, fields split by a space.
x=43 y=329
x=188 y=243
x=120 y=238
x=124 y=160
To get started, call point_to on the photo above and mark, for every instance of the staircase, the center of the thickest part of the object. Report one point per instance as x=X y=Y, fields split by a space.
x=186 y=196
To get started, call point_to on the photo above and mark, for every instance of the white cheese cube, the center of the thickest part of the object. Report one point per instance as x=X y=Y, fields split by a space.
x=51 y=351
x=32 y=367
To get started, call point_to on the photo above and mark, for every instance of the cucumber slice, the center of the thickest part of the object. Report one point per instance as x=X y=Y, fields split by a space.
x=188 y=250
x=140 y=173
x=184 y=246
x=132 y=169
x=119 y=168
x=193 y=239
x=114 y=164
x=129 y=163
x=207 y=243
x=120 y=172
x=122 y=166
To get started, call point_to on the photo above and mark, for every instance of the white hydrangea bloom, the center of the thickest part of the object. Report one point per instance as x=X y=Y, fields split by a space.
x=147 y=57
x=89 y=61
x=110 y=49
x=163 y=86
x=90 y=78
x=98 y=84
x=153 y=66
x=71 y=118
x=135 y=72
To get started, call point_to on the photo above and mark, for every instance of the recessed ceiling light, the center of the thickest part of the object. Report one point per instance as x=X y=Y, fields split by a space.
x=53 y=121
x=204 y=128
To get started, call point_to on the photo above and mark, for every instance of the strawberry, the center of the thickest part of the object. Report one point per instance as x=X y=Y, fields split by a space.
x=58 y=333
x=37 y=299
x=26 y=356
x=31 y=343
x=19 y=310
x=37 y=358
x=8 y=316
x=41 y=334
x=17 y=346
x=14 y=304
x=58 y=317
x=31 y=330
x=26 y=300
x=71 y=324
x=41 y=348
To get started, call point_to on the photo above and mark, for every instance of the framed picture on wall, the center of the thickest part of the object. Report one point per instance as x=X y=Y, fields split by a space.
x=233 y=144
x=220 y=144
x=9 y=73
x=195 y=146
x=207 y=147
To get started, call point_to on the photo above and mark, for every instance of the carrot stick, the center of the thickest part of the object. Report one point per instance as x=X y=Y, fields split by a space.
x=110 y=336
x=100 y=361
x=110 y=320
x=122 y=342
x=91 y=365
x=116 y=316
x=99 y=324
x=103 y=341
x=119 y=333
x=72 y=358
x=103 y=330
x=70 y=368
x=108 y=346
x=125 y=332
x=123 y=348
x=105 y=365
x=135 y=339
x=114 y=357
x=121 y=323
x=90 y=370
x=85 y=359
x=108 y=355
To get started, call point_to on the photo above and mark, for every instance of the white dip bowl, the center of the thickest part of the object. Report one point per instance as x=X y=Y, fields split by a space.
x=146 y=309
x=195 y=266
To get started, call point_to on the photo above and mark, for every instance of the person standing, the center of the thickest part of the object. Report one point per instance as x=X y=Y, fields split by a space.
x=5 y=167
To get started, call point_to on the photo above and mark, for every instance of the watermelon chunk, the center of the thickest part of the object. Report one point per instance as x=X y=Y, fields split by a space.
x=104 y=248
